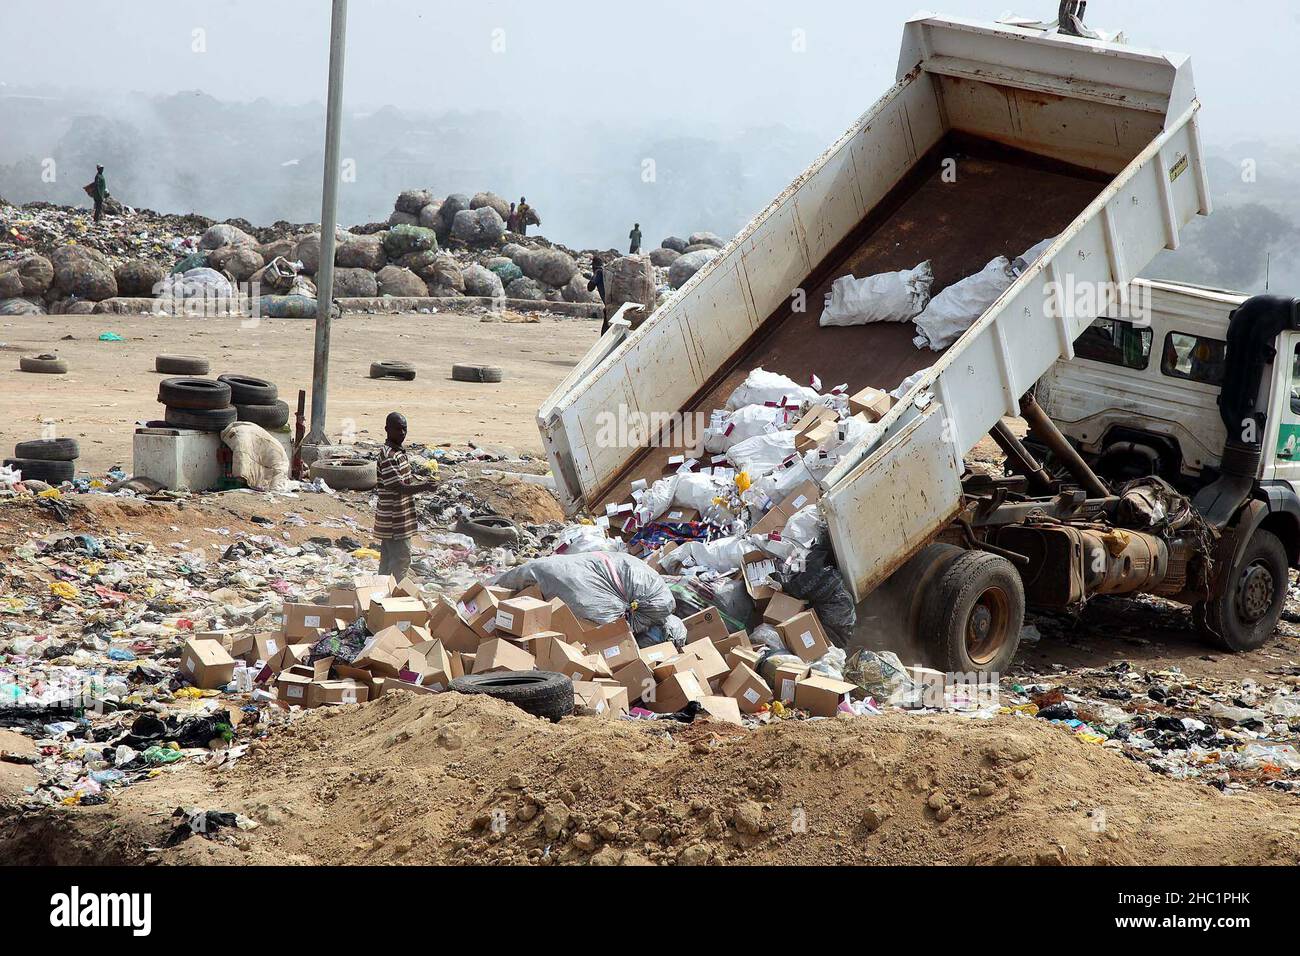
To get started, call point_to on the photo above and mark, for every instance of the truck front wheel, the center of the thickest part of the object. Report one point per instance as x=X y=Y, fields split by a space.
x=1245 y=611
x=973 y=613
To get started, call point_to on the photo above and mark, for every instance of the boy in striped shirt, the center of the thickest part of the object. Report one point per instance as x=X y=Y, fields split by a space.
x=395 y=520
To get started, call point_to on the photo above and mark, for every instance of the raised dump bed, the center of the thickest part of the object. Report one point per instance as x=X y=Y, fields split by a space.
x=992 y=139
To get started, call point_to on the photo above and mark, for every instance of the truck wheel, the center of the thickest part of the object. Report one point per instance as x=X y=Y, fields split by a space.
x=540 y=693
x=973 y=613
x=1245 y=613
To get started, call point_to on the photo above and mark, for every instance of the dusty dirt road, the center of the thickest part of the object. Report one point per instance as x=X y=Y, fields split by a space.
x=111 y=385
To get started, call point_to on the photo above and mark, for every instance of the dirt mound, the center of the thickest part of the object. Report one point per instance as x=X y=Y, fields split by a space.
x=517 y=499
x=453 y=779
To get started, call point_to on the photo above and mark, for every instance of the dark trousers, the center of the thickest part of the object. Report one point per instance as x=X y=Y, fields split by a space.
x=99 y=209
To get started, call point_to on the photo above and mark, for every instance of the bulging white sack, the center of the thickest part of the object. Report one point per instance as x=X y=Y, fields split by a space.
x=955 y=309
x=885 y=297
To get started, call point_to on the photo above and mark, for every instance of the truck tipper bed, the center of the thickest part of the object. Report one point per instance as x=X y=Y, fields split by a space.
x=993 y=138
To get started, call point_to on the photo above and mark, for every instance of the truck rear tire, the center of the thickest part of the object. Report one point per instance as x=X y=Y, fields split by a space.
x=1244 y=615
x=973 y=613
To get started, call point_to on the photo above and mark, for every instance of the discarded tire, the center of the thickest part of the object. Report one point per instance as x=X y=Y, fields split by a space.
x=403 y=370
x=246 y=390
x=180 y=365
x=273 y=416
x=193 y=393
x=201 y=419
x=475 y=373
x=540 y=693
x=491 y=531
x=47 y=364
x=346 y=474
x=48 y=449
x=50 y=472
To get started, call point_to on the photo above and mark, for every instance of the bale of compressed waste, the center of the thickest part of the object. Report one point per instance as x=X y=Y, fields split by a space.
x=504 y=268
x=429 y=217
x=453 y=204
x=34 y=274
x=444 y=273
x=675 y=244
x=139 y=277
x=399 y=218
x=20 y=306
x=413 y=200
x=547 y=265
x=402 y=240
x=349 y=282
x=224 y=234
x=525 y=288
x=478 y=226
x=396 y=281
x=83 y=273
x=361 y=252
x=276 y=247
x=706 y=239
x=685 y=266
x=493 y=200
x=664 y=257
x=630 y=279
x=479 y=281
x=240 y=261
x=575 y=290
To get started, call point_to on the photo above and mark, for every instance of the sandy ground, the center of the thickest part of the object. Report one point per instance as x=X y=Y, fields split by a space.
x=111 y=385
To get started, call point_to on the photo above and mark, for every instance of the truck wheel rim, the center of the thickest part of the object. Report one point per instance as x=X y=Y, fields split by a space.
x=986 y=626
x=1256 y=595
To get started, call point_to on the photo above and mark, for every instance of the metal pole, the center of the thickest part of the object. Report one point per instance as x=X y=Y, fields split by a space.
x=328 y=213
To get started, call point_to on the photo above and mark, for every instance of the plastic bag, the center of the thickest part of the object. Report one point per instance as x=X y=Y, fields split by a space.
x=762 y=386
x=906 y=384
x=822 y=586
x=722 y=555
x=698 y=491
x=955 y=309
x=598 y=587
x=762 y=454
x=886 y=297
x=880 y=674
x=1022 y=262
x=585 y=538
x=727 y=595
x=822 y=460
x=830 y=664
x=747 y=422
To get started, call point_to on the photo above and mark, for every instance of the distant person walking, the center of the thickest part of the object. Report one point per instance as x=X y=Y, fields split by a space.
x=634 y=238
x=597 y=284
x=98 y=191
x=527 y=216
x=395 y=519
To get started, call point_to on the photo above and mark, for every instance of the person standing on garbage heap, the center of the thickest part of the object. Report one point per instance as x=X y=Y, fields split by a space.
x=526 y=216
x=635 y=239
x=395 y=520
x=512 y=220
x=98 y=191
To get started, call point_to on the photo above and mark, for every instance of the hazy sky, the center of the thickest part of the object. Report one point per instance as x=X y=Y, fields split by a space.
x=713 y=61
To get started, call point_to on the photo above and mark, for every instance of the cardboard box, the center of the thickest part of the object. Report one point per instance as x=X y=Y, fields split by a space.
x=335 y=692
x=656 y=654
x=499 y=654
x=781 y=607
x=206 y=664
x=291 y=688
x=721 y=708
x=680 y=515
x=565 y=621
x=430 y=663
x=559 y=656
x=771 y=523
x=871 y=402
x=522 y=616
x=817 y=435
x=785 y=678
x=804 y=637
x=734 y=639
x=317 y=670
x=303 y=621
x=364 y=589
x=637 y=678
x=800 y=497
x=373 y=683
x=399 y=612
x=616 y=698
x=820 y=695
x=746 y=688
x=613 y=642
x=446 y=625
x=291 y=656
x=706 y=624
x=675 y=692
x=742 y=655
x=478 y=608
x=407 y=587
x=532 y=591
x=385 y=654
x=713 y=663
x=930 y=685
x=757 y=569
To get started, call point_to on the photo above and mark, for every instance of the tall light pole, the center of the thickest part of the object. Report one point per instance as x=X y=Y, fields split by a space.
x=328 y=213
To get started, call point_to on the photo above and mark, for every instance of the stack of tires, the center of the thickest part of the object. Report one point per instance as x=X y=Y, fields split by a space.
x=200 y=404
x=51 y=460
x=256 y=400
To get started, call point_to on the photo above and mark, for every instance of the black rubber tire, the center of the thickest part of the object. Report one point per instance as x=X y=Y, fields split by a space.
x=399 y=370
x=246 y=390
x=1220 y=618
x=540 y=693
x=201 y=419
x=475 y=373
x=181 y=365
x=47 y=364
x=193 y=393
x=975 y=578
x=48 y=449
x=272 y=416
x=489 y=532
x=346 y=474
x=50 y=472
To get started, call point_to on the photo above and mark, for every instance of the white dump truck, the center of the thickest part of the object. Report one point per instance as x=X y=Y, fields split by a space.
x=994 y=138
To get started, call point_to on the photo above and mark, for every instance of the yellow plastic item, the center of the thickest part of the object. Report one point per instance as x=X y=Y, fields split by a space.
x=742 y=482
x=49 y=493
x=365 y=553
x=64 y=590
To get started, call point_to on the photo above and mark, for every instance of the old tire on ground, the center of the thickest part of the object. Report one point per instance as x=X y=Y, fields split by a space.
x=201 y=419
x=246 y=390
x=47 y=364
x=193 y=393
x=972 y=615
x=489 y=531
x=540 y=693
x=48 y=449
x=50 y=472
x=1244 y=616
x=273 y=416
x=475 y=373
x=180 y=365
x=402 y=370
x=346 y=474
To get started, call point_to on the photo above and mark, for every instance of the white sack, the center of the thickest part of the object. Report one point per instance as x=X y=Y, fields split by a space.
x=955 y=309
x=762 y=386
x=886 y=297
x=741 y=424
x=257 y=456
x=762 y=453
x=722 y=555
x=1022 y=262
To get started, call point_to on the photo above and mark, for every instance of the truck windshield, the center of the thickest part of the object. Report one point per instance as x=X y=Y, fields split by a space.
x=1194 y=357
x=1115 y=342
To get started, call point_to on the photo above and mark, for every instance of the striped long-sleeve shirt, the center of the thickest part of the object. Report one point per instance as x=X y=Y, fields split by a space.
x=395 y=513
